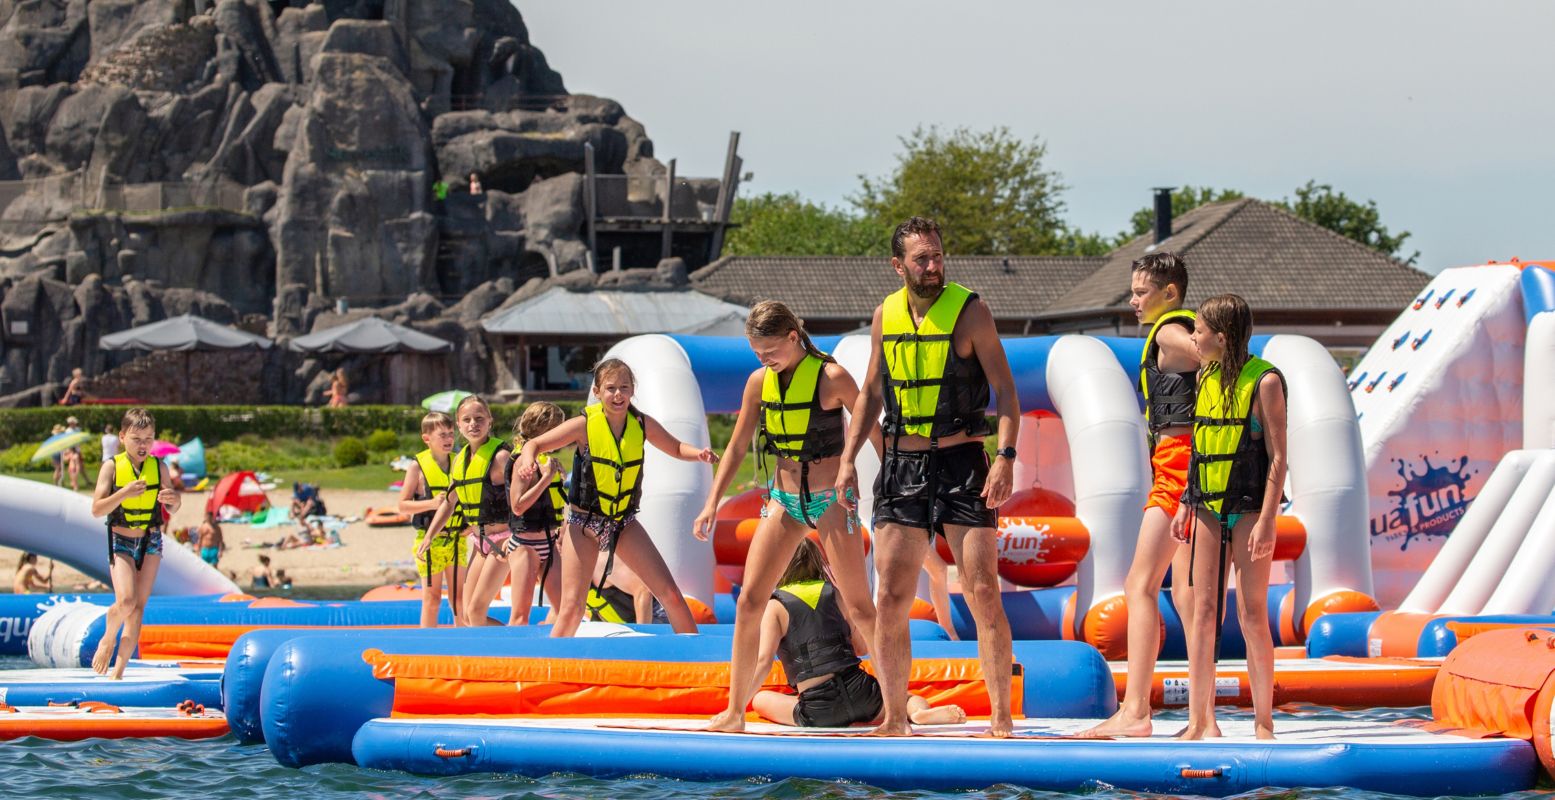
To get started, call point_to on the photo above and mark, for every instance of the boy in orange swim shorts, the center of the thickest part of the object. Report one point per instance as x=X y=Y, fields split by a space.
x=1168 y=376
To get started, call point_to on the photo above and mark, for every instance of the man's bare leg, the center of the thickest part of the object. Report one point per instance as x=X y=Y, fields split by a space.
x=899 y=552
x=977 y=556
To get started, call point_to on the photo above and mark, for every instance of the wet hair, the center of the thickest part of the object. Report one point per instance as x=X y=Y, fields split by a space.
x=610 y=366
x=538 y=418
x=806 y=565
x=1165 y=269
x=1230 y=315
x=137 y=418
x=771 y=318
x=434 y=420
x=474 y=398
x=27 y=558
x=914 y=226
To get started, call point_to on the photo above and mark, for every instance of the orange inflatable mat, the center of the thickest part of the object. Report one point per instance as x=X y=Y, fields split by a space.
x=89 y=720
x=1500 y=683
x=439 y=685
x=1338 y=681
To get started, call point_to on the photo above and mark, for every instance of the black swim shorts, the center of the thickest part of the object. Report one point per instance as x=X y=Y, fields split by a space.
x=851 y=696
x=930 y=489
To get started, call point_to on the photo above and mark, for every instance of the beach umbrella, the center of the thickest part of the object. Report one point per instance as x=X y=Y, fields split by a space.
x=60 y=442
x=161 y=449
x=370 y=335
x=445 y=402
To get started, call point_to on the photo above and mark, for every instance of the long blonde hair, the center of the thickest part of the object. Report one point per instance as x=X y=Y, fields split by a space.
x=806 y=565
x=1230 y=315
x=770 y=318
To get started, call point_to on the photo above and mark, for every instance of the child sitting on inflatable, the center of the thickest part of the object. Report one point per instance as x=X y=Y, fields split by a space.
x=477 y=503
x=1235 y=480
x=607 y=474
x=538 y=511
x=804 y=626
x=132 y=494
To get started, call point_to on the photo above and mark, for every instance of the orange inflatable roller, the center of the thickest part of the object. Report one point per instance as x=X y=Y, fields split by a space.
x=1500 y=683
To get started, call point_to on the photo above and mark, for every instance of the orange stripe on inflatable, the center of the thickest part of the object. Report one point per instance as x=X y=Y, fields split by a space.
x=105 y=727
x=1499 y=683
x=277 y=602
x=212 y=641
x=501 y=686
x=1465 y=629
x=1397 y=633
x=1408 y=684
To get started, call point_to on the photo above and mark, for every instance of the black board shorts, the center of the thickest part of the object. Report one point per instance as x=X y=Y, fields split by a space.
x=851 y=696
x=929 y=489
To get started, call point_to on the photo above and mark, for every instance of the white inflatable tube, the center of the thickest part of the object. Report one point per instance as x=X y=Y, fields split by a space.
x=673 y=490
x=1327 y=477
x=853 y=354
x=58 y=523
x=1526 y=587
x=1107 y=443
x=1449 y=566
x=1539 y=383
x=1504 y=540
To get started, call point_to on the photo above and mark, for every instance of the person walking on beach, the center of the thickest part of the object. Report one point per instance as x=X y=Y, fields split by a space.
x=607 y=485
x=212 y=545
x=1168 y=378
x=935 y=347
x=794 y=403
x=421 y=493
x=137 y=504
x=1236 y=478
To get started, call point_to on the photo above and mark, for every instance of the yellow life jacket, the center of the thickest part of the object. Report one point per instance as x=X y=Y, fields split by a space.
x=548 y=509
x=1229 y=467
x=140 y=512
x=929 y=390
x=1168 y=395
x=606 y=479
x=793 y=424
x=437 y=482
x=601 y=609
x=480 y=501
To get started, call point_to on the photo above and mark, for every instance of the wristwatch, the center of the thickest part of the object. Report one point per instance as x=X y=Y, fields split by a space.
x=1005 y=452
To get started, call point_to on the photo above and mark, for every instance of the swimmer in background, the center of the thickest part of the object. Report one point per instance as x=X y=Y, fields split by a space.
x=607 y=485
x=29 y=579
x=803 y=625
x=794 y=403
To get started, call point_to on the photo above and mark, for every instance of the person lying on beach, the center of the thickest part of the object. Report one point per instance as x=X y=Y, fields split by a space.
x=804 y=627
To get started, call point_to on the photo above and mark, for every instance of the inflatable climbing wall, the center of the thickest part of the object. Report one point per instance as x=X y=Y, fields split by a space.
x=1440 y=401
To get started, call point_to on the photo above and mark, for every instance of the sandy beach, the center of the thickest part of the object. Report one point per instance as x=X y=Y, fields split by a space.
x=368 y=555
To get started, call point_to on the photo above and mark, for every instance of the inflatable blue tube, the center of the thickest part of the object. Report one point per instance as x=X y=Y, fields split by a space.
x=1446 y=766
x=318 y=691
x=243 y=676
x=202 y=687
x=1345 y=634
x=1437 y=640
x=1538 y=286
x=19 y=611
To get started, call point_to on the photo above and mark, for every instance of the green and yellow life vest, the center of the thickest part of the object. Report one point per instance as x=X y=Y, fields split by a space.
x=437 y=482
x=793 y=424
x=818 y=640
x=609 y=604
x=140 y=512
x=929 y=390
x=1169 y=396
x=480 y=501
x=1229 y=467
x=606 y=479
x=549 y=509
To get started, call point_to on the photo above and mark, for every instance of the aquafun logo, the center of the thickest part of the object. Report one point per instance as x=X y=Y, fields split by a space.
x=1429 y=503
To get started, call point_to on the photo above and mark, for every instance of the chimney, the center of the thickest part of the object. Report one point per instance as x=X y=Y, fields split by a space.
x=1163 y=213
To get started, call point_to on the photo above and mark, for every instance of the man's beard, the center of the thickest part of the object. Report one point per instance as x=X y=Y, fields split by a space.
x=924 y=290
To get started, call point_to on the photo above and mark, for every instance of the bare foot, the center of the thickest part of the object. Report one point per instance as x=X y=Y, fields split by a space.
x=103 y=657
x=1196 y=732
x=939 y=715
x=118 y=667
x=1119 y=725
x=889 y=728
x=727 y=722
x=1264 y=730
x=1001 y=727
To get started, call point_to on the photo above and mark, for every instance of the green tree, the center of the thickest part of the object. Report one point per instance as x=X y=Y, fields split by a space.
x=987 y=189
x=1184 y=199
x=1319 y=203
x=786 y=225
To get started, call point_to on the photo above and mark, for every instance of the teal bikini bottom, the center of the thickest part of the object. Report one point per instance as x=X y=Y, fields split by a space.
x=809 y=513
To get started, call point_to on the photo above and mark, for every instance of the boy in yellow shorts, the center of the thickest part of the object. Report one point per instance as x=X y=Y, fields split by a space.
x=426 y=481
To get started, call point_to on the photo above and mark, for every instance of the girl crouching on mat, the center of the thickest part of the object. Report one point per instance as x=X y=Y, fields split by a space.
x=538 y=511
x=606 y=488
x=421 y=493
x=1236 y=475
x=794 y=404
x=477 y=501
x=133 y=494
x=803 y=625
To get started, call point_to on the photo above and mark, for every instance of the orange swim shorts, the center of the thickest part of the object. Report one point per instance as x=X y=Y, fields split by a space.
x=1169 y=472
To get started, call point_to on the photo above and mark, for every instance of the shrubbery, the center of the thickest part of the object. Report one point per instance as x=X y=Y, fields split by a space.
x=382 y=441
x=350 y=452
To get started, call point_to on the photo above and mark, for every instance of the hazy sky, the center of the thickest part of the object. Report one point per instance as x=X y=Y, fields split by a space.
x=1442 y=112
